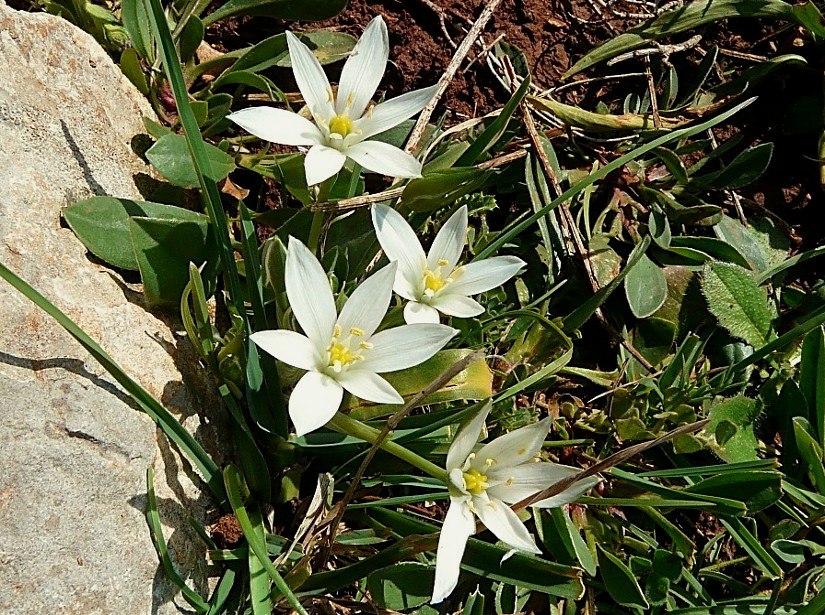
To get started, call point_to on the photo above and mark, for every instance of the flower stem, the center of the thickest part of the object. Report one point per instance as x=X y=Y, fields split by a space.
x=355 y=428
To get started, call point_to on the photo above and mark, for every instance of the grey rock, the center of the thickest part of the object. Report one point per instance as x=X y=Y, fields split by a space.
x=73 y=449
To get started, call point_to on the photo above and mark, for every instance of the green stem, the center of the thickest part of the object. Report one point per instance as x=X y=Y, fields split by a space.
x=352 y=427
x=315 y=231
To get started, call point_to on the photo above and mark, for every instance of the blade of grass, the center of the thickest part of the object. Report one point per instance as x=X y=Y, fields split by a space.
x=182 y=439
x=156 y=533
x=232 y=480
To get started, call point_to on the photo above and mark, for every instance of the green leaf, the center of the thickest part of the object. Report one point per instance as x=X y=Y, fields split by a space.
x=746 y=168
x=645 y=288
x=306 y=10
x=171 y=157
x=738 y=303
x=810 y=451
x=654 y=338
x=740 y=412
x=812 y=380
x=757 y=490
x=761 y=243
x=619 y=581
x=401 y=586
x=136 y=23
x=164 y=249
x=441 y=188
x=130 y=65
x=102 y=224
x=475 y=382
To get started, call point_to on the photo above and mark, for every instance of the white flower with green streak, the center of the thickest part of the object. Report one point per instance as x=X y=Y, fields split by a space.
x=484 y=483
x=434 y=282
x=344 y=122
x=343 y=351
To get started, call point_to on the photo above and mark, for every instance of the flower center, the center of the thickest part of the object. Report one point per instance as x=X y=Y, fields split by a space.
x=434 y=279
x=342 y=353
x=341 y=125
x=475 y=481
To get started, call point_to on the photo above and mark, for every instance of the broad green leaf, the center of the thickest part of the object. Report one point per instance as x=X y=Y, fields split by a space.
x=130 y=65
x=619 y=581
x=666 y=568
x=645 y=288
x=164 y=249
x=654 y=337
x=306 y=10
x=761 y=243
x=738 y=303
x=475 y=382
x=810 y=451
x=739 y=413
x=102 y=224
x=136 y=23
x=401 y=586
x=171 y=157
x=441 y=188
x=746 y=168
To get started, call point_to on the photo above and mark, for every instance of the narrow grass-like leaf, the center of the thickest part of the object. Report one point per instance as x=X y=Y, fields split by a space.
x=601 y=173
x=232 y=480
x=156 y=533
x=167 y=423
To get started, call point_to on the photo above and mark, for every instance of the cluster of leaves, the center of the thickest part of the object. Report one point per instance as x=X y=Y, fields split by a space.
x=711 y=324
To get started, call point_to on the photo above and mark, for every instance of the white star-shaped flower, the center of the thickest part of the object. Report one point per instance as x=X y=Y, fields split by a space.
x=484 y=483
x=343 y=123
x=434 y=282
x=343 y=351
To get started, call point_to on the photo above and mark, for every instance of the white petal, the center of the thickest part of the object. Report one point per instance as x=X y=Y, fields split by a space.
x=483 y=275
x=277 y=126
x=459 y=525
x=415 y=312
x=466 y=438
x=366 y=307
x=392 y=112
x=505 y=524
x=385 y=159
x=289 y=347
x=370 y=386
x=513 y=448
x=309 y=293
x=400 y=243
x=363 y=70
x=449 y=242
x=569 y=495
x=405 y=346
x=514 y=484
x=457 y=305
x=321 y=163
x=311 y=80
x=314 y=401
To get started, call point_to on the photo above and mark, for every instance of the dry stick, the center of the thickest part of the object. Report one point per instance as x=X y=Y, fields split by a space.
x=393 y=193
x=651 y=88
x=572 y=234
x=447 y=77
x=392 y=422
x=608 y=462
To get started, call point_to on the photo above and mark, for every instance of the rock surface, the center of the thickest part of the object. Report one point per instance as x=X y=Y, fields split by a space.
x=73 y=450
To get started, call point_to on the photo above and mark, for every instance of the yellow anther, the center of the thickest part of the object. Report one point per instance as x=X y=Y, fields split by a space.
x=443 y=262
x=489 y=462
x=336 y=332
x=433 y=281
x=365 y=346
x=475 y=481
x=341 y=125
x=356 y=331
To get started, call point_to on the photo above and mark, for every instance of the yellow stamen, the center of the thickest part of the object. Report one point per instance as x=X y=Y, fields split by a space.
x=433 y=281
x=356 y=331
x=475 y=481
x=341 y=125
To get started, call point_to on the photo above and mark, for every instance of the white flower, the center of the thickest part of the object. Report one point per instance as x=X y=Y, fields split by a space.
x=343 y=351
x=433 y=282
x=343 y=123
x=484 y=483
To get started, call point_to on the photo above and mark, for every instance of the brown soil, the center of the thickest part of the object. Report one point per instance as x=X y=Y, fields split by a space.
x=226 y=531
